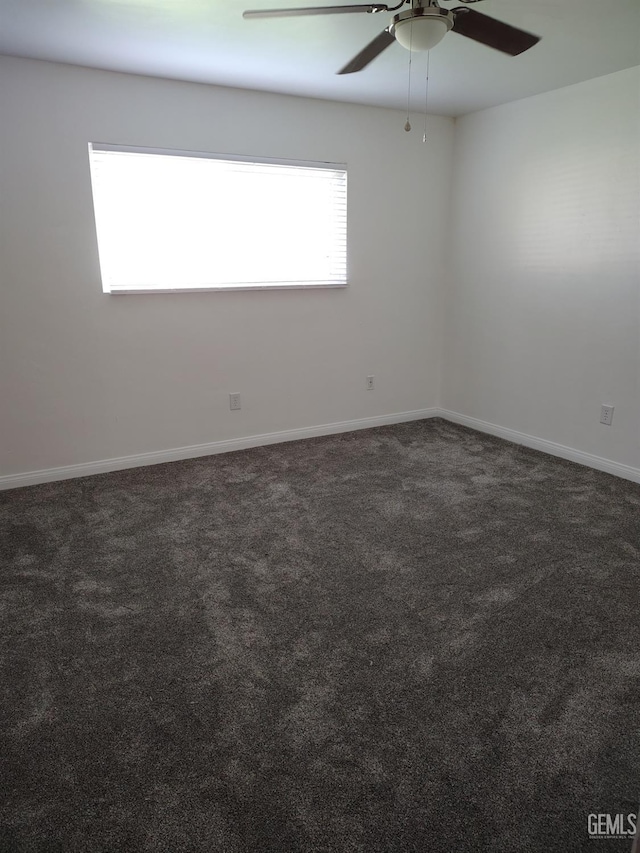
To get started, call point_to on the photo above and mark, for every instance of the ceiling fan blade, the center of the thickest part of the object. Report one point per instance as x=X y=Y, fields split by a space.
x=369 y=53
x=314 y=10
x=489 y=31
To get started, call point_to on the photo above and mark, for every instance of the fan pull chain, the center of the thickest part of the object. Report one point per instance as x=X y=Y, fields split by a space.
x=407 y=125
x=426 y=98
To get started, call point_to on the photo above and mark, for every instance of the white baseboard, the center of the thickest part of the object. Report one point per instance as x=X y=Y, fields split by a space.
x=32 y=478
x=48 y=475
x=598 y=462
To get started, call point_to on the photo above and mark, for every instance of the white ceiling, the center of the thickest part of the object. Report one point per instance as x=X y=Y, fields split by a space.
x=208 y=41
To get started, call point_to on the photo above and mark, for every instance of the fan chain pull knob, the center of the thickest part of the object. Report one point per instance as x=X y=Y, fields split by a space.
x=407 y=126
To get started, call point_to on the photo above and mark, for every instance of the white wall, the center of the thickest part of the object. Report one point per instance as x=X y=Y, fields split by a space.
x=87 y=376
x=543 y=298
x=540 y=283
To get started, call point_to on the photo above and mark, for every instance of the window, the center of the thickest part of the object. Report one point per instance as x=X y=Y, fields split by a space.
x=180 y=220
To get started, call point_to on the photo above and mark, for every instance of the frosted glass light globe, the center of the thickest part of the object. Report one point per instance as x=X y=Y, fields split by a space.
x=421 y=33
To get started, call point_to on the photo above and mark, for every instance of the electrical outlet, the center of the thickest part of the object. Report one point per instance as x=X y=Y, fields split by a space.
x=369 y=383
x=606 y=415
x=234 y=402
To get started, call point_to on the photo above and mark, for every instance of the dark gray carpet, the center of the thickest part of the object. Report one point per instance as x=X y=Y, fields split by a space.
x=414 y=638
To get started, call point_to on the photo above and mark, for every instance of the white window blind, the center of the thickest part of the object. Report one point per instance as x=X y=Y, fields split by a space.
x=186 y=221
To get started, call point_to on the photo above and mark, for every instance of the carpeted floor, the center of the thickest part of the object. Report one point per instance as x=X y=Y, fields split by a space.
x=411 y=638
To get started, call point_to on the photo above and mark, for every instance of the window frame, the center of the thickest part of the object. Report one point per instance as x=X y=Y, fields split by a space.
x=238 y=158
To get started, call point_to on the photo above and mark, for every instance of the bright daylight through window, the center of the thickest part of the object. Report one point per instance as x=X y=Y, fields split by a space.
x=186 y=221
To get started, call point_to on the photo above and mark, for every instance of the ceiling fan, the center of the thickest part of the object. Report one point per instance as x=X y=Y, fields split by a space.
x=419 y=28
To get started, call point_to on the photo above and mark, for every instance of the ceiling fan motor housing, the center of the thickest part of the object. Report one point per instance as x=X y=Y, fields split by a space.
x=421 y=27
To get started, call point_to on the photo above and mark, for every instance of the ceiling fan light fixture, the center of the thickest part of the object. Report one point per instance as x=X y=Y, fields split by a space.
x=421 y=29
